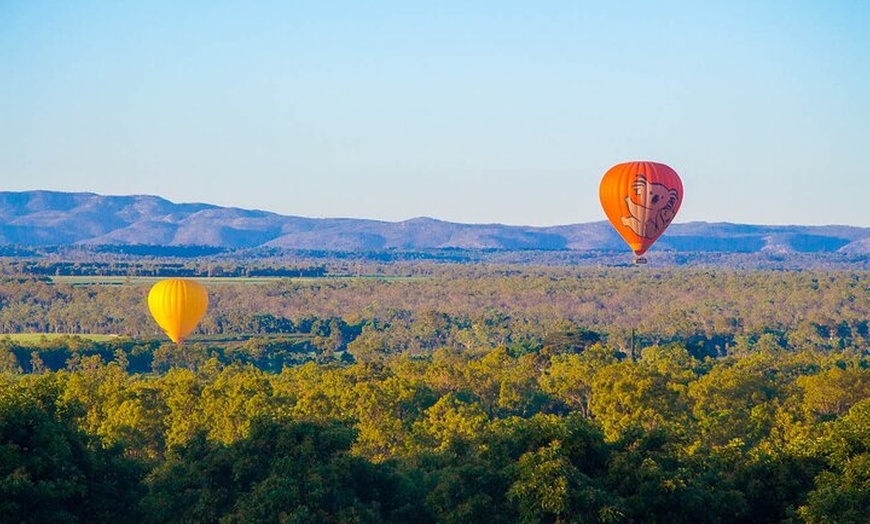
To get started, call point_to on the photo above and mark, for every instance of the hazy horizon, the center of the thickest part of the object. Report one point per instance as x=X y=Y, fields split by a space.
x=424 y=217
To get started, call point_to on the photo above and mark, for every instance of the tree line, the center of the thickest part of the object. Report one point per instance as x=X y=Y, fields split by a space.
x=165 y=269
x=460 y=305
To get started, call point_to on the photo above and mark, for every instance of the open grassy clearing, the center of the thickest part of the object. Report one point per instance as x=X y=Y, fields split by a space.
x=139 y=280
x=37 y=338
x=208 y=281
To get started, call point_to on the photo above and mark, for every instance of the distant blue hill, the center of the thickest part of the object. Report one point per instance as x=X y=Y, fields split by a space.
x=50 y=218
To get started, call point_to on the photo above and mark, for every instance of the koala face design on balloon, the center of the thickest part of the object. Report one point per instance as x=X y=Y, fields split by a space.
x=651 y=207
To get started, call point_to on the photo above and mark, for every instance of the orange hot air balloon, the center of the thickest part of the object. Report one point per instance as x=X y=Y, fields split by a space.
x=640 y=199
x=177 y=304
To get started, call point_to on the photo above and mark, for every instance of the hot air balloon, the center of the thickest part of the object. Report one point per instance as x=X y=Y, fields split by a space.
x=640 y=199
x=177 y=304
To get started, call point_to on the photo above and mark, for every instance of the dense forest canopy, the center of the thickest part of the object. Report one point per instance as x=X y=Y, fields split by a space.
x=442 y=392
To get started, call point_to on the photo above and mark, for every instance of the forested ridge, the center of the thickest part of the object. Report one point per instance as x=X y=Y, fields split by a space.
x=444 y=393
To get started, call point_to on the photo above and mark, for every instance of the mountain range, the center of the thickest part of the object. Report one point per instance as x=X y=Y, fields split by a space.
x=51 y=218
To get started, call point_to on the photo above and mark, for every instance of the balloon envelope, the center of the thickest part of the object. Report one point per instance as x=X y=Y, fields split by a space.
x=177 y=304
x=640 y=199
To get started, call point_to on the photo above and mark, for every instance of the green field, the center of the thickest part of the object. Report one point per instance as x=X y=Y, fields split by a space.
x=143 y=280
x=137 y=280
x=36 y=338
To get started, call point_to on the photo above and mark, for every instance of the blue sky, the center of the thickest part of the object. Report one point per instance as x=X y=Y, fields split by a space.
x=476 y=112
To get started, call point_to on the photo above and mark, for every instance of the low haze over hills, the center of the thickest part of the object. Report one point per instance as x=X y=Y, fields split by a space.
x=42 y=218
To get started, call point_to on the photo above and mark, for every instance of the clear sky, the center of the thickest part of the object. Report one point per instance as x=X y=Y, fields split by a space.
x=467 y=111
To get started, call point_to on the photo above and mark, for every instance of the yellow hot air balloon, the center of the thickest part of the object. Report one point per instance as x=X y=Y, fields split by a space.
x=177 y=304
